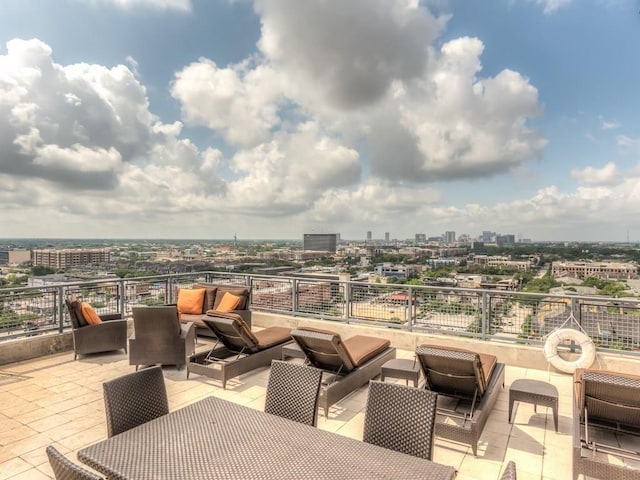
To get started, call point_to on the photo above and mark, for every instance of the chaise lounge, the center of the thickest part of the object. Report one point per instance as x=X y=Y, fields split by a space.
x=606 y=402
x=350 y=363
x=237 y=350
x=468 y=384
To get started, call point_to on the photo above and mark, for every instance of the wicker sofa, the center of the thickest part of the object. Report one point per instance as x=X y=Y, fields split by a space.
x=212 y=298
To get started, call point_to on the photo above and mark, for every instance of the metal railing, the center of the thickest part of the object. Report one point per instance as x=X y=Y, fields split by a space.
x=483 y=314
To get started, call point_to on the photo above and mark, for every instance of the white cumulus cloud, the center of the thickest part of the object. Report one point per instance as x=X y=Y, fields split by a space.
x=607 y=175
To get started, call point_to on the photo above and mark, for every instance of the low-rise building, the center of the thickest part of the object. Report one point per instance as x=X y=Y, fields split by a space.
x=14 y=257
x=613 y=270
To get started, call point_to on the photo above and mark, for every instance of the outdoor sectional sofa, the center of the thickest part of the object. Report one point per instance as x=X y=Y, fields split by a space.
x=212 y=298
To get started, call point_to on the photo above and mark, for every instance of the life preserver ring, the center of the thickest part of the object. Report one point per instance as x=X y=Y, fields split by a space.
x=556 y=337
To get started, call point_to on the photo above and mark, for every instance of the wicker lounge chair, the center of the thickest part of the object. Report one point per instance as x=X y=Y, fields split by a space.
x=473 y=379
x=606 y=401
x=349 y=363
x=401 y=418
x=159 y=338
x=109 y=335
x=237 y=350
x=65 y=469
x=134 y=399
x=292 y=391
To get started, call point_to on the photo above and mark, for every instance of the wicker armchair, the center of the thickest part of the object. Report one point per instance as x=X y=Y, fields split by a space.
x=65 y=469
x=134 y=399
x=159 y=338
x=292 y=391
x=401 y=418
x=107 y=336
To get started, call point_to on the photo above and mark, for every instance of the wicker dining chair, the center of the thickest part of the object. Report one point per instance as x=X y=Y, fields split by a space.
x=509 y=471
x=65 y=469
x=401 y=418
x=292 y=391
x=134 y=399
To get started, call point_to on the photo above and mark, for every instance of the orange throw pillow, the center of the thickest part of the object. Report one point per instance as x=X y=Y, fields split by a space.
x=90 y=315
x=191 y=300
x=228 y=303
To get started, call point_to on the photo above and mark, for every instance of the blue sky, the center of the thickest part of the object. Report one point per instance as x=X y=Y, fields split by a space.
x=274 y=118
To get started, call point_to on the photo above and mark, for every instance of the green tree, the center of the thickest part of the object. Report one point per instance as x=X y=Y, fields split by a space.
x=40 y=270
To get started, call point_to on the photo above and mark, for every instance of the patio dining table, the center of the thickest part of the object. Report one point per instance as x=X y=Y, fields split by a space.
x=214 y=438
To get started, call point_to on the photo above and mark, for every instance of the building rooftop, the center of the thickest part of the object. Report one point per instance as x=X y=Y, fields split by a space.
x=56 y=400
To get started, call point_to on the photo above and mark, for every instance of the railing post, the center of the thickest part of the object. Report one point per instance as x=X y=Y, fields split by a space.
x=409 y=313
x=347 y=301
x=60 y=301
x=121 y=297
x=294 y=296
x=485 y=315
x=575 y=310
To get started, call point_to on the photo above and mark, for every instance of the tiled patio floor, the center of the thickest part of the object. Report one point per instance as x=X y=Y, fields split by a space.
x=56 y=400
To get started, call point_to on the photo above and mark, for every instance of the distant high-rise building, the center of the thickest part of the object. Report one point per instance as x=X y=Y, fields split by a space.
x=369 y=236
x=421 y=237
x=505 y=239
x=320 y=242
x=487 y=236
x=450 y=237
x=386 y=236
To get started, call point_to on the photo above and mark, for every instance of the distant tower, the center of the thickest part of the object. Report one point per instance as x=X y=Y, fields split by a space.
x=320 y=242
x=386 y=236
x=235 y=242
x=450 y=237
x=369 y=236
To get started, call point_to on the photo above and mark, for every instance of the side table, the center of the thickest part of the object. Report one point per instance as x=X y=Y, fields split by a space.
x=402 y=368
x=536 y=392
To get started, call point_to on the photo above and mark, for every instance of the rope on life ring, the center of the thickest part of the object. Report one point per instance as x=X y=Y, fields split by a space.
x=561 y=335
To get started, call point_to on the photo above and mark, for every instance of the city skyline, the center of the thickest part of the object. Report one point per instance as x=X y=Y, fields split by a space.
x=193 y=119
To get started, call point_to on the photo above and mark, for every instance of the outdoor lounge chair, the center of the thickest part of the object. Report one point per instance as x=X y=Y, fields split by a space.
x=349 y=363
x=606 y=402
x=237 y=350
x=401 y=418
x=472 y=379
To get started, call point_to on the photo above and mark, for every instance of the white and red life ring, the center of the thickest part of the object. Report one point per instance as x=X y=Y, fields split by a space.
x=557 y=337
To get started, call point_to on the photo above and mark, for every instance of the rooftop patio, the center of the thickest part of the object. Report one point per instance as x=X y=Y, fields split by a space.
x=56 y=400
x=48 y=398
